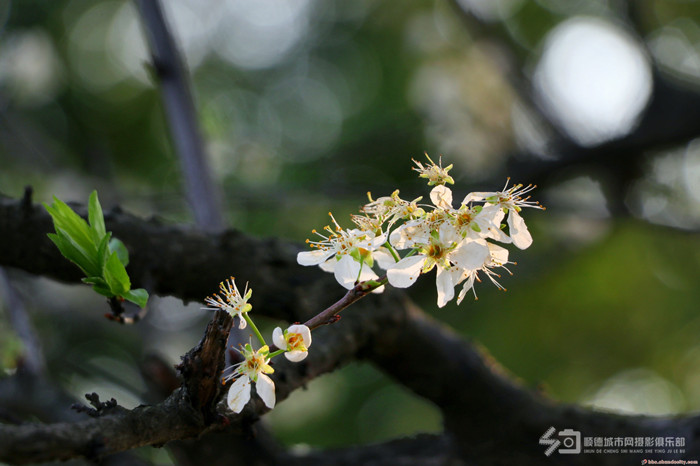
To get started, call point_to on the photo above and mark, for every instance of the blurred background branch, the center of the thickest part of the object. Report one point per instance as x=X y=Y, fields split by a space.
x=202 y=192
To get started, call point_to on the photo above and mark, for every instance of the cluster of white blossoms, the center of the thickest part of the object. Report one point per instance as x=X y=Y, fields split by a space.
x=292 y=342
x=459 y=242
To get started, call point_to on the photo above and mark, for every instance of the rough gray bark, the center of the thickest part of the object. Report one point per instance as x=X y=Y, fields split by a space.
x=488 y=415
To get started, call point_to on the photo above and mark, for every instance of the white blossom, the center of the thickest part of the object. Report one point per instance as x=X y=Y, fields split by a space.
x=295 y=341
x=512 y=200
x=233 y=302
x=254 y=368
x=345 y=253
x=436 y=252
x=497 y=257
x=434 y=172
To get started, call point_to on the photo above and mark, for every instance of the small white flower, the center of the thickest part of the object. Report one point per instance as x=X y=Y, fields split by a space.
x=295 y=340
x=233 y=302
x=434 y=172
x=497 y=257
x=254 y=368
x=441 y=196
x=392 y=208
x=436 y=252
x=469 y=222
x=345 y=253
x=512 y=200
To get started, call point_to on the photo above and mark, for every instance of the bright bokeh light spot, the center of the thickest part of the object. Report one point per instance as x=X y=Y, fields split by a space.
x=29 y=67
x=670 y=193
x=639 y=391
x=259 y=34
x=594 y=79
x=673 y=49
x=127 y=44
x=106 y=47
x=311 y=116
x=192 y=23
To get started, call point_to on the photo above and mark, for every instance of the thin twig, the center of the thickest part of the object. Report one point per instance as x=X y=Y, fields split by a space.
x=330 y=315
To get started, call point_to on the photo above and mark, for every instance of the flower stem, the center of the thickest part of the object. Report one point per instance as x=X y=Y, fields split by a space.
x=255 y=329
x=392 y=251
x=359 y=274
x=276 y=353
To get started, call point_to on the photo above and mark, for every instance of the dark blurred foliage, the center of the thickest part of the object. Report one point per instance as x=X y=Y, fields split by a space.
x=307 y=105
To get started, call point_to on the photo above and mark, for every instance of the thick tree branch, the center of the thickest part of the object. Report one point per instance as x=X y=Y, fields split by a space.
x=491 y=414
x=181 y=416
x=421 y=450
x=488 y=412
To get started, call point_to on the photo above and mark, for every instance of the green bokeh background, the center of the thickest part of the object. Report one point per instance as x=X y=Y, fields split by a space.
x=600 y=310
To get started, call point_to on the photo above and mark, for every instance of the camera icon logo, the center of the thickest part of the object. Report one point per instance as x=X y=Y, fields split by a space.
x=571 y=442
x=568 y=441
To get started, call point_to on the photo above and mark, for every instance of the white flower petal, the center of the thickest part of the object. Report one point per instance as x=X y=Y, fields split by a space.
x=468 y=285
x=303 y=330
x=494 y=213
x=441 y=196
x=266 y=390
x=296 y=355
x=410 y=233
x=278 y=338
x=445 y=287
x=329 y=265
x=471 y=254
x=479 y=196
x=378 y=241
x=406 y=271
x=347 y=269
x=518 y=230
x=367 y=274
x=499 y=255
x=242 y=323
x=313 y=257
x=489 y=221
x=239 y=394
x=383 y=258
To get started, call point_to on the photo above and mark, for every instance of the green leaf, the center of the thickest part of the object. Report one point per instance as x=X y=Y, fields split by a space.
x=66 y=249
x=103 y=251
x=115 y=275
x=97 y=221
x=92 y=248
x=72 y=224
x=95 y=281
x=117 y=246
x=99 y=286
x=103 y=290
x=74 y=253
x=138 y=296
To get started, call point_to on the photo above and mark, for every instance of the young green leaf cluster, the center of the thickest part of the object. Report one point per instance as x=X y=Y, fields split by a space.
x=102 y=259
